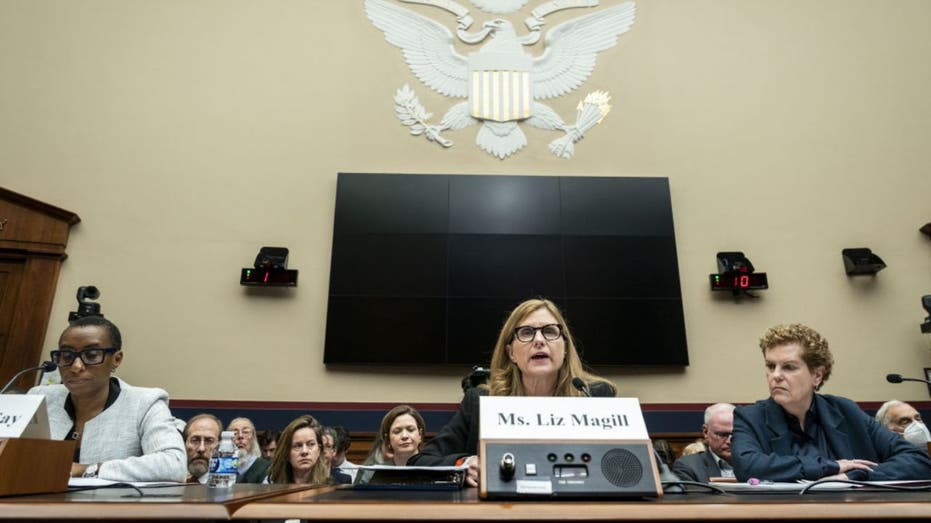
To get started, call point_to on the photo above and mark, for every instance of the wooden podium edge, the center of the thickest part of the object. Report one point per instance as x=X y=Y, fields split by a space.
x=235 y=506
x=34 y=466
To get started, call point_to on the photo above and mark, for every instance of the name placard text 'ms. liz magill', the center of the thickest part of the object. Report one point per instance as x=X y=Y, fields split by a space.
x=531 y=417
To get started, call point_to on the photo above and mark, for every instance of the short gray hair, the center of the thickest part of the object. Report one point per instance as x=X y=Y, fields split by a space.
x=882 y=415
x=709 y=412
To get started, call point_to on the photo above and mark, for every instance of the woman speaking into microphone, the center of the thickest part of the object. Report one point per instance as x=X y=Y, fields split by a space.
x=534 y=356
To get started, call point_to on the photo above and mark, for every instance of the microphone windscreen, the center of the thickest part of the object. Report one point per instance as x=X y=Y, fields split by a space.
x=48 y=366
x=894 y=378
x=578 y=384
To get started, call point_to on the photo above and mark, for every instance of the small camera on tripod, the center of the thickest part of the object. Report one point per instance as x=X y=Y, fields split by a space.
x=86 y=308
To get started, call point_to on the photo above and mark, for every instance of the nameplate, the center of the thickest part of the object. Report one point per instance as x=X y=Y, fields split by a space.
x=570 y=418
x=23 y=416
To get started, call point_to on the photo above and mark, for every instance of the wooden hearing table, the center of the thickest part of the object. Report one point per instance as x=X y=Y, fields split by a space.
x=177 y=502
x=348 y=505
x=197 y=502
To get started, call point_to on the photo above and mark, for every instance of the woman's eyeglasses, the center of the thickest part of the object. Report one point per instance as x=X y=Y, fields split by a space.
x=65 y=358
x=526 y=333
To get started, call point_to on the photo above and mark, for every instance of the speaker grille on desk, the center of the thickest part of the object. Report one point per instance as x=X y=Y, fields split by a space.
x=622 y=468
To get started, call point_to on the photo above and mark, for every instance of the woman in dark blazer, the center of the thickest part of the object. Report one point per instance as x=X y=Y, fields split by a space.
x=534 y=356
x=798 y=434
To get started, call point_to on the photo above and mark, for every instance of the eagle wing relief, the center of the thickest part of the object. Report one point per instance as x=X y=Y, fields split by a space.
x=572 y=46
x=426 y=44
x=503 y=83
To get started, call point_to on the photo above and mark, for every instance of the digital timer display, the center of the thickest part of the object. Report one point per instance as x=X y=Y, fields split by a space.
x=737 y=281
x=269 y=277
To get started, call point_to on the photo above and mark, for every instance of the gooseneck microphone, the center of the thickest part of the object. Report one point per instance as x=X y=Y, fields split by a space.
x=897 y=378
x=581 y=386
x=46 y=366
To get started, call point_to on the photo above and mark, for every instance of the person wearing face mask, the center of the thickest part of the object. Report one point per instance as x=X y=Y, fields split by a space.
x=535 y=355
x=903 y=419
x=799 y=434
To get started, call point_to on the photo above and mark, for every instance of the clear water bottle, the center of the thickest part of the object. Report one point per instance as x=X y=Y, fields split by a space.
x=224 y=463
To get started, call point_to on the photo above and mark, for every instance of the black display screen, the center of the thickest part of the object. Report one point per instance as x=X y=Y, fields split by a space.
x=426 y=268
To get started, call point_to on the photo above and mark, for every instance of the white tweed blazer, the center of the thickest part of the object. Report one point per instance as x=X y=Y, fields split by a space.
x=135 y=438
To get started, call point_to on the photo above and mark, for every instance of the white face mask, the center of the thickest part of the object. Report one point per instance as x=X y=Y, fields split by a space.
x=917 y=434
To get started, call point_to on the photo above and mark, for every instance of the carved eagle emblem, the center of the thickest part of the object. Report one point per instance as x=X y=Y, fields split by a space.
x=502 y=83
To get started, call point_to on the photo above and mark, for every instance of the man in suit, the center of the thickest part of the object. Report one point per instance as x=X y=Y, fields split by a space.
x=715 y=461
x=201 y=436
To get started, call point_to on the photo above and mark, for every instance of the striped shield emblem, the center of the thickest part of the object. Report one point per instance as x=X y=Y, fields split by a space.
x=500 y=86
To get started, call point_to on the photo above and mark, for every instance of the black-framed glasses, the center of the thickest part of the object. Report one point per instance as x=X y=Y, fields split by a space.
x=65 y=358
x=526 y=333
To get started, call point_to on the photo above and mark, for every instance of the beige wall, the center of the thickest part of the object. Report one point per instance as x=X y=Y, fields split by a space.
x=188 y=133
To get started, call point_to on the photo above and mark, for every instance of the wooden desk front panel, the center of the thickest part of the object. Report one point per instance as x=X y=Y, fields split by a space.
x=465 y=506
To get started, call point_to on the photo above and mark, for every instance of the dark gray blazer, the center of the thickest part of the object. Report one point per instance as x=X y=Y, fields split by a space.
x=697 y=467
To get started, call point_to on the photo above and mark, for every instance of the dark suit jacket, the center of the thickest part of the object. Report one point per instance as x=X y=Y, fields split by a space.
x=459 y=438
x=256 y=473
x=700 y=466
x=762 y=444
x=339 y=477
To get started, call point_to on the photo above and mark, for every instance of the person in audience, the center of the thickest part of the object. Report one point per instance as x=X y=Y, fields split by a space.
x=340 y=463
x=268 y=442
x=252 y=466
x=664 y=451
x=297 y=459
x=402 y=429
x=123 y=433
x=328 y=453
x=798 y=433
x=534 y=356
x=379 y=453
x=201 y=436
x=903 y=419
x=716 y=460
x=694 y=448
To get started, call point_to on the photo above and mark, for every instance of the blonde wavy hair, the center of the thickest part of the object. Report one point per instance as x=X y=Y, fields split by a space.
x=505 y=378
x=815 y=351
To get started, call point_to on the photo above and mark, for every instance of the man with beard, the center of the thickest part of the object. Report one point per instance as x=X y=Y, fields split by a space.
x=252 y=466
x=201 y=436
